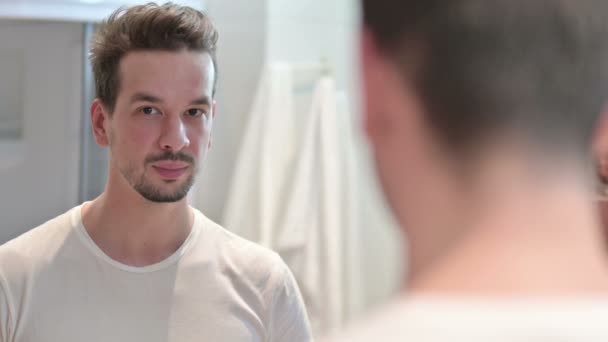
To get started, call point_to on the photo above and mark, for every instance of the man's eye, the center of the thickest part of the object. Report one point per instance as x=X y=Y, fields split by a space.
x=194 y=112
x=149 y=110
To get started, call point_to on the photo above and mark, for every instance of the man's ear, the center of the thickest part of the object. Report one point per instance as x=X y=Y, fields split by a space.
x=373 y=73
x=99 y=121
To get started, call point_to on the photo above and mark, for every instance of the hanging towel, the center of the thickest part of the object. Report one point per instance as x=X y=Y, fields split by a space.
x=267 y=151
x=310 y=236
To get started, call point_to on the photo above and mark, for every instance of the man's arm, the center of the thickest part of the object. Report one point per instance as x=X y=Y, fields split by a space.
x=5 y=314
x=288 y=317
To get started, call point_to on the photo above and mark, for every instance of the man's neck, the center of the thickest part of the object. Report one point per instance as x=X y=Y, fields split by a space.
x=525 y=236
x=135 y=231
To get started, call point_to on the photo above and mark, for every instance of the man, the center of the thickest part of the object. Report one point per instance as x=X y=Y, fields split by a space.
x=137 y=263
x=480 y=114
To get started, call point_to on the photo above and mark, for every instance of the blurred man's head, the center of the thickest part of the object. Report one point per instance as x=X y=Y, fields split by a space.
x=450 y=83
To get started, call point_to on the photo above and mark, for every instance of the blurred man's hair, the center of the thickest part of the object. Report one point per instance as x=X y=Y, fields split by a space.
x=485 y=68
x=167 y=27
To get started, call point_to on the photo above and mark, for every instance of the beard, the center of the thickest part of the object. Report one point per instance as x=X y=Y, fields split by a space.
x=154 y=193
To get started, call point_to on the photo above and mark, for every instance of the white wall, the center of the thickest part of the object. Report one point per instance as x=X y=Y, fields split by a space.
x=40 y=179
x=241 y=54
x=255 y=32
x=70 y=10
x=306 y=31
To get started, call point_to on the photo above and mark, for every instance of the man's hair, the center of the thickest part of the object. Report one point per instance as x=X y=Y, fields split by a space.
x=490 y=67
x=167 y=27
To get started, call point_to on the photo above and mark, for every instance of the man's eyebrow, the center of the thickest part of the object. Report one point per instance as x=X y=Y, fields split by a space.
x=205 y=100
x=145 y=98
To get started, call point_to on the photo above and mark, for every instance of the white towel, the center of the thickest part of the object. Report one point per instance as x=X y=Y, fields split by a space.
x=262 y=165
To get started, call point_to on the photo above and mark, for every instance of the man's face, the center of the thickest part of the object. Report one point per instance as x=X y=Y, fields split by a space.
x=160 y=129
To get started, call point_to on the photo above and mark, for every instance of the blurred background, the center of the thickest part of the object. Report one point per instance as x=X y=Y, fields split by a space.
x=289 y=168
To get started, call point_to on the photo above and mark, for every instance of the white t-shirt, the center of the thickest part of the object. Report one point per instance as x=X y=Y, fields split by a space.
x=56 y=284
x=476 y=320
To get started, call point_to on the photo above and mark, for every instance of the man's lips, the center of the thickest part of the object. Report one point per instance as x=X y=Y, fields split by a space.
x=171 y=165
x=170 y=169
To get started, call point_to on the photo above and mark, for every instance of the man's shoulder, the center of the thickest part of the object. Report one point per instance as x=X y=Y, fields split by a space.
x=239 y=254
x=260 y=278
x=35 y=247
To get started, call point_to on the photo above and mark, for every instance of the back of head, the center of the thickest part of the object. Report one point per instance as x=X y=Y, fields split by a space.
x=168 y=27
x=484 y=69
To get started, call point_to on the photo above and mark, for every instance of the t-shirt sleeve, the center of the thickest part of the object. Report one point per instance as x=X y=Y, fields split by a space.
x=288 y=317
x=5 y=315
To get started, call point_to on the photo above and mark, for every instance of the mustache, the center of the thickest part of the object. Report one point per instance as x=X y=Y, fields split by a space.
x=179 y=156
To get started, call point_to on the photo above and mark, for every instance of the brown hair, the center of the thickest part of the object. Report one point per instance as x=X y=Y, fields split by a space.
x=146 y=27
x=490 y=67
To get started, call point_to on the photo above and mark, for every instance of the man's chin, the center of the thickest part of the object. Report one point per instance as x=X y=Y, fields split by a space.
x=159 y=194
x=163 y=197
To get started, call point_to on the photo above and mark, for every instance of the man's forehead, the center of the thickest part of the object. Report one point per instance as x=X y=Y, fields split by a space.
x=184 y=64
x=185 y=71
